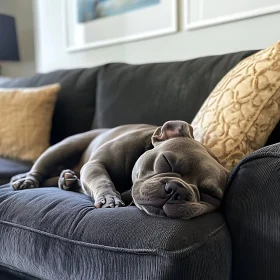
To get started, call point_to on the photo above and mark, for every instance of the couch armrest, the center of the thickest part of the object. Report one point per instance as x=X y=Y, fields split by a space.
x=252 y=211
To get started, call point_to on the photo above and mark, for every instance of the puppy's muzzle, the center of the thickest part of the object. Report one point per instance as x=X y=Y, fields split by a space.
x=177 y=192
x=169 y=197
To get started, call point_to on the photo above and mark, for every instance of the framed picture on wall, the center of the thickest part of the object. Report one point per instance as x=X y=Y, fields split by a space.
x=203 y=13
x=97 y=23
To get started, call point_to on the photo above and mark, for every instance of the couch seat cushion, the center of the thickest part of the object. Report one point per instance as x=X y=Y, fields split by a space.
x=9 y=168
x=54 y=234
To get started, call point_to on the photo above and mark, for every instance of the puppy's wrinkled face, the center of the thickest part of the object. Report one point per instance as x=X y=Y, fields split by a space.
x=179 y=177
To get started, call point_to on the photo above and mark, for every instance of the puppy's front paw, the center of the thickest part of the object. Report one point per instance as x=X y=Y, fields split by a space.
x=25 y=183
x=108 y=201
x=18 y=176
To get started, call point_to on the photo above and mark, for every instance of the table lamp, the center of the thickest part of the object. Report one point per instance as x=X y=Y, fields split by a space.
x=8 y=39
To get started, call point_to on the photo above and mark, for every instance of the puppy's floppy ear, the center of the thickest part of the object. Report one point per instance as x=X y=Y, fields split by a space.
x=172 y=129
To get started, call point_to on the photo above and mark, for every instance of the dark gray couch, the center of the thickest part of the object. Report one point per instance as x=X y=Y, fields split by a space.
x=49 y=233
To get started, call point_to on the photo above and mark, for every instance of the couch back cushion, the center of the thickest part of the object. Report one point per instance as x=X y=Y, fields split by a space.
x=75 y=106
x=158 y=92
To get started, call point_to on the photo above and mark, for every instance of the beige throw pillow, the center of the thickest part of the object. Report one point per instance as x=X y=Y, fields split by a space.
x=241 y=112
x=25 y=121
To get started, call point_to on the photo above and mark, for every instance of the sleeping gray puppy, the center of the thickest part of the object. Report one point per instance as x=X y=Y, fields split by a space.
x=169 y=173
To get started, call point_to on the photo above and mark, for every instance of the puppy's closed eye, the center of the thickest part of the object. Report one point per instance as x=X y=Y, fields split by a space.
x=162 y=164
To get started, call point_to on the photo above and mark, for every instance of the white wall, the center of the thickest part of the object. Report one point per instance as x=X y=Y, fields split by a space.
x=22 y=10
x=253 y=33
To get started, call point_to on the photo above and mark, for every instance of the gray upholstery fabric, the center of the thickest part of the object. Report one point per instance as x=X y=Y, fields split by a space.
x=54 y=234
x=11 y=273
x=252 y=212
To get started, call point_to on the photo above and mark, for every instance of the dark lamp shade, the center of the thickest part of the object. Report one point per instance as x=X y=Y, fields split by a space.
x=8 y=39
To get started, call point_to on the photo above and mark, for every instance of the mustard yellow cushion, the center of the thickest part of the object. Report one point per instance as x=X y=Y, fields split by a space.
x=241 y=112
x=25 y=121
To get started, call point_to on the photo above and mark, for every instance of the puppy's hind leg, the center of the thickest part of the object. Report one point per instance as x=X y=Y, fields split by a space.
x=69 y=181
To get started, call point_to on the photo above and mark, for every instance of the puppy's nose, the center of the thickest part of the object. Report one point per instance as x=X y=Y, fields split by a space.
x=177 y=192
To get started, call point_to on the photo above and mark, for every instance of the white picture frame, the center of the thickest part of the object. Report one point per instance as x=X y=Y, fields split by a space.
x=202 y=22
x=159 y=20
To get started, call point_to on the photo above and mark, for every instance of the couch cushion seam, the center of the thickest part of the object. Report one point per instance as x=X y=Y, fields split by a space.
x=120 y=249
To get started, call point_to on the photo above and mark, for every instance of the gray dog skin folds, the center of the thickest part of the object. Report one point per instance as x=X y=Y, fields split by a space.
x=168 y=172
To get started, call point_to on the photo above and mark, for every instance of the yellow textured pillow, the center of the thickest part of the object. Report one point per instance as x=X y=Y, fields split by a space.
x=241 y=112
x=25 y=121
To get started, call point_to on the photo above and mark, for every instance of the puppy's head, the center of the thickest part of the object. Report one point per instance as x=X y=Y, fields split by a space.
x=179 y=177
